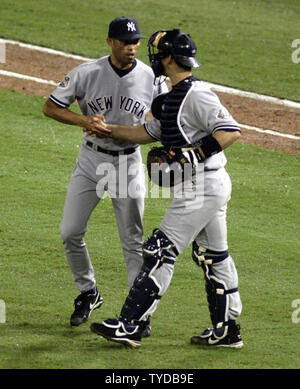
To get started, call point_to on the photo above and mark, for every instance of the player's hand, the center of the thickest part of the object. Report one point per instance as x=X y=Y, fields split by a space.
x=97 y=126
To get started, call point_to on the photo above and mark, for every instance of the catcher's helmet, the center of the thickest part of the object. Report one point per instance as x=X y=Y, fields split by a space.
x=171 y=42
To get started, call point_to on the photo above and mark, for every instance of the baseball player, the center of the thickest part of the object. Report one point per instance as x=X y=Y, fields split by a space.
x=121 y=88
x=194 y=128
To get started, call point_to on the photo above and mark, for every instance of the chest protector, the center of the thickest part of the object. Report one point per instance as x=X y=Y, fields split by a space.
x=165 y=108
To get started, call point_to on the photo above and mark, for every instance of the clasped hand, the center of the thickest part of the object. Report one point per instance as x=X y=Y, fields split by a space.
x=97 y=126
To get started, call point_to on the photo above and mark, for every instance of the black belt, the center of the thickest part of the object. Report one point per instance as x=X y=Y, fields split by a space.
x=110 y=152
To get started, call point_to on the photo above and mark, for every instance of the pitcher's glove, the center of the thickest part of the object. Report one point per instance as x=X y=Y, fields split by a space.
x=168 y=166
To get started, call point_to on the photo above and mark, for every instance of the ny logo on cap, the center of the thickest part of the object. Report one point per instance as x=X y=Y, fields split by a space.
x=131 y=26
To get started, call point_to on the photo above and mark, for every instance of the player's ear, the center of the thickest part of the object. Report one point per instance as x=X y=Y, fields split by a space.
x=168 y=60
x=109 y=41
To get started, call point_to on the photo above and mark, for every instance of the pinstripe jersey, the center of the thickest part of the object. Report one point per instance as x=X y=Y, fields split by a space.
x=98 y=89
x=190 y=112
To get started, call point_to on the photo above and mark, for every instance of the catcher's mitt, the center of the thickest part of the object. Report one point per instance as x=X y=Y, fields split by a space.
x=170 y=166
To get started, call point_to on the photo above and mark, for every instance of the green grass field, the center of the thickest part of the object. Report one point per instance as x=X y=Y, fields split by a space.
x=36 y=159
x=38 y=289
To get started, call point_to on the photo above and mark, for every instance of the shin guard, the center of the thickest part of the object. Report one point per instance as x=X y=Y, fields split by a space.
x=216 y=289
x=145 y=292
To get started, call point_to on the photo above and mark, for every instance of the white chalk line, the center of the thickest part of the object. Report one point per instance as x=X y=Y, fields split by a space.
x=251 y=95
x=220 y=88
x=25 y=77
x=45 y=49
x=270 y=132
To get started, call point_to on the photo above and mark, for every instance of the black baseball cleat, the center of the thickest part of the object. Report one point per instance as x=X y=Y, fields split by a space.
x=117 y=331
x=231 y=338
x=84 y=304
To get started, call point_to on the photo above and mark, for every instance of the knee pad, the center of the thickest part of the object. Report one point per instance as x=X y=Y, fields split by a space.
x=157 y=249
x=216 y=289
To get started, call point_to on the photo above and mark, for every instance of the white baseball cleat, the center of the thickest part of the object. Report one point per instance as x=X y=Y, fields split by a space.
x=119 y=332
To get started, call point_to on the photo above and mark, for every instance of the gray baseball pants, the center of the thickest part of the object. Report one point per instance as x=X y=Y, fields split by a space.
x=94 y=175
x=199 y=213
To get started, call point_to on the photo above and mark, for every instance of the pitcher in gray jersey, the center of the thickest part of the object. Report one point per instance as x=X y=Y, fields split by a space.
x=121 y=88
x=190 y=121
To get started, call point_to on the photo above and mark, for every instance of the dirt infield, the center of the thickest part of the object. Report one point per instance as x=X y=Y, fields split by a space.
x=247 y=111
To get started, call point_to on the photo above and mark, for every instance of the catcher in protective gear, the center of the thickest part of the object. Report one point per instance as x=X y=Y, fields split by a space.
x=194 y=128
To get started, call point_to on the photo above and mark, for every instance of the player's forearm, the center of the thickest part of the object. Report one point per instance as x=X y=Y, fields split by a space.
x=135 y=134
x=64 y=115
x=226 y=138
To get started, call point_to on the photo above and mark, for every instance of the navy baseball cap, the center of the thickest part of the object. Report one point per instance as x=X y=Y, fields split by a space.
x=124 y=28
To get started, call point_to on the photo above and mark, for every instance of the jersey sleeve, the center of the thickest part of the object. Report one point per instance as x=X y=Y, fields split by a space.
x=213 y=115
x=153 y=128
x=67 y=91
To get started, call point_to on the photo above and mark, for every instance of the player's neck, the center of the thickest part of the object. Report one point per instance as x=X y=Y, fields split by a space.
x=179 y=76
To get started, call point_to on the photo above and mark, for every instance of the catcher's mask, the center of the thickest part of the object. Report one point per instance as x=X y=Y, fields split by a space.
x=171 y=42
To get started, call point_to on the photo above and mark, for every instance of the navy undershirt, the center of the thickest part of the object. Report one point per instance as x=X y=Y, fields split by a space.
x=121 y=72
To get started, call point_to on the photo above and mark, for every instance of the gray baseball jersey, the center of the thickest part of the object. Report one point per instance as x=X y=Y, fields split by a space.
x=121 y=98
x=201 y=113
x=100 y=90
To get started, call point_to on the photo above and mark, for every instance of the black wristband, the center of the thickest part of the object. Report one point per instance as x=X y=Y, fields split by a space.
x=209 y=145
